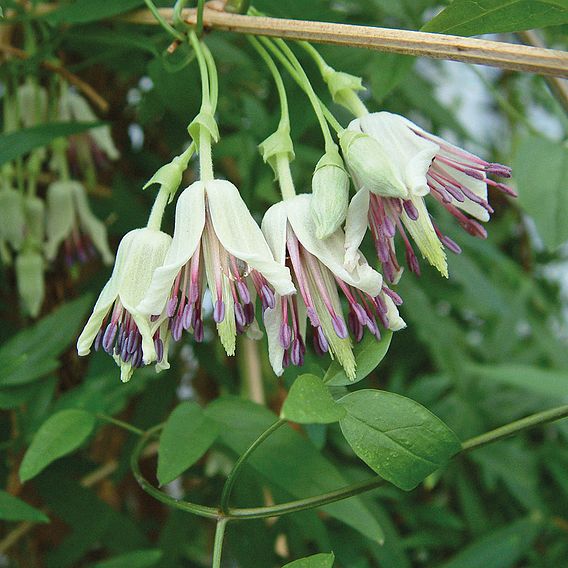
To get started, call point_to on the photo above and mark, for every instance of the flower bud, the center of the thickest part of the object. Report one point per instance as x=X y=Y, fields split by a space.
x=60 y=218
x=32 y=103
x=343 y=88
x=169 y=176
x=34 y=209
x=29 y=276
x=277 y=144
x=12 y=220
x=330 y=190
x=370 y=166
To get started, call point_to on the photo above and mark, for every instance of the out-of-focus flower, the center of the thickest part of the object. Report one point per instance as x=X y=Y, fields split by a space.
x=32 y=103
x=71 y=222
x=216 y=244
x=330 y=191
x=73 y=106
x=29 y=277
x=116 y=325
x=319 y=274
x=410 y=163
x=12 y=217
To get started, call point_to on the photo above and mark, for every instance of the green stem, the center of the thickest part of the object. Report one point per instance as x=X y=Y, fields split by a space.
x=284 y=113
x=218 y=546
x=158 y=209
x=285 y=180
x=230 y=482
x=205 y=158
x=515 y=427
x=326 y=498
x=213 y=76
x=121 y=424
x=168 y=27
x=178 y=10
x=199 y=23
x=201 y=61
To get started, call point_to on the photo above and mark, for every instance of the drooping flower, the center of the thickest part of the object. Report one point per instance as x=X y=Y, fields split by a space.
x=395 y=164
x=320 y=276
x=29 y=277
x=71 y=222
x=12 y=217
x=72 y=106
x=116 y=325
x=216 y=245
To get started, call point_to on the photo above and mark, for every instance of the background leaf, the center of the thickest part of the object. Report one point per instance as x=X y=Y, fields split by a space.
x=315 y=561
x=310 y=402
x=368 y=354
x=16 y=144
x=541 y=169
x=187 y=435
x=83 y=11
x=396 y=437
x=14 y=509
x=59 y=435
x=475 y=17
x=136 y=559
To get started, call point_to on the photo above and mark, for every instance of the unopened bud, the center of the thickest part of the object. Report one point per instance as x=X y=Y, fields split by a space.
x=370 y=166
x=330 y=190
x=12 y=220
x=34 y=209
x=343 y=88
x=29 y=276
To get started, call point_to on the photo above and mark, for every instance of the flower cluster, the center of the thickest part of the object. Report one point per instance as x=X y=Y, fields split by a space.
x=41 y=219
x=303 y=266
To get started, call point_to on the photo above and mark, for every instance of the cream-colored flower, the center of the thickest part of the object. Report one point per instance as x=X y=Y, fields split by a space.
x=320 y=275
x=132 y=338
x=216 y=244
x=404 y=165
x=70 y=221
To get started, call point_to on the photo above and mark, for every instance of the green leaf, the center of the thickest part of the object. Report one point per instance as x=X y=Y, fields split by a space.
x=396 y=437
x=16 y=144
x=33 y=353
x=310 y=402
x=187 y=435
x=501 y=548
x=59 y=435
x=83 y=11
x=316 y=561
x=553 y=383
x=368 y=354
x=541 y=168
x=136 y=559
x=288 y=460
x=393 y=69
x=14 y=509
x=474 y=17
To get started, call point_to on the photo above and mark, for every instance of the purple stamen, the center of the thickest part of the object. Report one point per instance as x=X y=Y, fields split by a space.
x=219 y=311
x=322 y=340
x=177 y=328
x=108 y=337
x=159 y=347
x=172 y=305
x=243 y=291
x=198 y=330
x=285 y=335
x=240 y=317
x=98 y=340
x=410 y=209
x=450 y=244
x=339 y=326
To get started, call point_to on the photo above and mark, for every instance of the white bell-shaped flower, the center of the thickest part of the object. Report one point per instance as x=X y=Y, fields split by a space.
x=320 y=276
x=216 y=245
x=116 y=324
x=414 y=164
x=71 y=222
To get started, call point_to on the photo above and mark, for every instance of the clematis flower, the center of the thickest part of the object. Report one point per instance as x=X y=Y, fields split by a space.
x=12 y=217
x=320 y=276
x=29 y=277
x=395 y=164
x=71 y=222
x=216 y=244
x=116 y=325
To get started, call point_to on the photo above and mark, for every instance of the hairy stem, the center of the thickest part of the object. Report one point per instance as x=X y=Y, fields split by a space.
x=218 y=546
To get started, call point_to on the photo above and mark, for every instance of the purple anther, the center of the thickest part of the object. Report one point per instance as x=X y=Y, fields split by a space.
x=154 y=317
x=159 y=347
x=136 y=360
x=393 y=296
x=240 y=315
x=249 y=313
x=475 y=174
x=507 y=190
x=244 y=293
x=412 y=262
x=389 y=228
x=187 y=316
x=219 y=311
x=267 y=297
x=177 y=328
x=198 y=330
x=322 y=340
x=296 y=355
x=132 y=341
x=98 y=340
x=285 y=335
x=410 y=209
x=450 y=244
x=339 y=326
x=172 y=305
x=286 y=359
x=108 y=337
x=360 y=313
x=313 y=317
x=475 y=229
x=124 y=354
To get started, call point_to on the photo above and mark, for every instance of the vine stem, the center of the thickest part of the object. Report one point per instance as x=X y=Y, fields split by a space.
x=230 y=482
x=218 y=546
x=325 y=498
